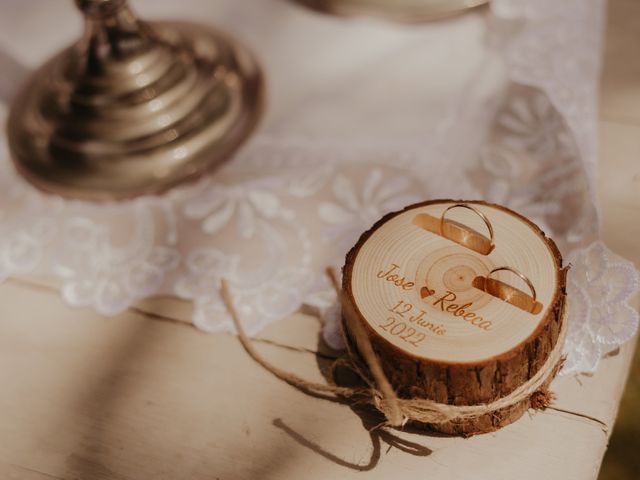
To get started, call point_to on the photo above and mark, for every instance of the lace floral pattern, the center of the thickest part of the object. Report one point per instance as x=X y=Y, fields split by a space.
x=352 y=211
x=288 y=205
x=538 y=54
x=600 y=319
x=267 y=223
x=97 y=273
x=532 y=164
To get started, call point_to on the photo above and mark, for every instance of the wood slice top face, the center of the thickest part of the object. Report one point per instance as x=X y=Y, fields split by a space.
x=414 y=287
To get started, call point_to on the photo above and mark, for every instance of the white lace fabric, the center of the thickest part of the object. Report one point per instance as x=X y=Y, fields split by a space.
x=374 y=117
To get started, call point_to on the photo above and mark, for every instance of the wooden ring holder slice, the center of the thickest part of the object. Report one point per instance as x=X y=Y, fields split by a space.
x=439 y=313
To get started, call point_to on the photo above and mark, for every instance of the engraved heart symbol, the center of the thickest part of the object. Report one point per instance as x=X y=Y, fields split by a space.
x=425 y=292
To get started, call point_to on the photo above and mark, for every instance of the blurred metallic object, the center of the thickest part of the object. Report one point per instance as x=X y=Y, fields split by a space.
x=409 y=11
x=133 y=108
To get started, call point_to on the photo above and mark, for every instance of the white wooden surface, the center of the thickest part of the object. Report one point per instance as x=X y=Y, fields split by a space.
x=145 y=396
x=138 y=397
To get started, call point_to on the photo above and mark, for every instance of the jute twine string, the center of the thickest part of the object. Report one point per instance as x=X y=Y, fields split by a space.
x=379 y=393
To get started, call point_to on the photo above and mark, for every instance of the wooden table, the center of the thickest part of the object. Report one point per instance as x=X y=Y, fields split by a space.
x=146 y=396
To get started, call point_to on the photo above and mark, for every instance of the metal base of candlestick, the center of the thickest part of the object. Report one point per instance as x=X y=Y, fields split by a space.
x=408 y=11
x=133 y=108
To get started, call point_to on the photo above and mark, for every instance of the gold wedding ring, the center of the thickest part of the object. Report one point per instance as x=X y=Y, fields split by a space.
x=510 y=294
x=524 y=278
x=464 y=235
